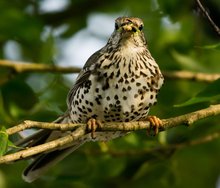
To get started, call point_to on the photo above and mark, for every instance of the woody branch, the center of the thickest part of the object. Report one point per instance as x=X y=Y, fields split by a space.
x=81 y=129
x=22 y=67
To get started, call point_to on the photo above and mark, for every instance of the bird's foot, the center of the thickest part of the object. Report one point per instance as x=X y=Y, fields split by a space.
x=92 y=125
x=155 y=124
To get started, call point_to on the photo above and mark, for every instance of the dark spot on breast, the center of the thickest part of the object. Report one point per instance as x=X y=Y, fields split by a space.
x=105 y=74
x=94 y=116
x=136 y=113
x=118 y=102
x=106 y=85
x=138 y=84
x=136 y=95
x=111 y=75
x=80 y=109
x=89 y=109
x=126 y=113
x=121 y=80
x=118 y=73
x=97 y=101
x=137 y=76
x=141 y=104
x=124 y=97
x=125 y=75
x=124 y=89
x=146 y=108
x=132 y=117
x=143 y=74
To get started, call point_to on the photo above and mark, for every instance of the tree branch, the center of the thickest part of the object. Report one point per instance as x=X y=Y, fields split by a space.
x=188 y=75
x=81 y=129
x=206 y=14
x=22 y=67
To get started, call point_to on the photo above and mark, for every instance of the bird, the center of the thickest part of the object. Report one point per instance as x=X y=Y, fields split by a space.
x=118 y=83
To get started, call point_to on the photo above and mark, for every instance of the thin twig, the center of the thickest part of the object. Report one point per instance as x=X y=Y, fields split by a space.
x=27 y=124
x=186 y=119
x=188 y=75
x=21 y=67
x=205 y=12
x=44 y=147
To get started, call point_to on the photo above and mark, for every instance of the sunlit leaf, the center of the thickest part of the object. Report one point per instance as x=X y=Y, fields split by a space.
x=210 y=47
x=209 y=94
x=186 y=61
x=3 y=141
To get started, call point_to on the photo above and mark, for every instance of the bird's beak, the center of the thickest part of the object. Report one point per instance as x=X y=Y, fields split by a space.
x=129 y=27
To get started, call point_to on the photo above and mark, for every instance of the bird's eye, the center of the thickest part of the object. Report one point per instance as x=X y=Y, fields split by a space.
x=116 y=26
x=141 y=27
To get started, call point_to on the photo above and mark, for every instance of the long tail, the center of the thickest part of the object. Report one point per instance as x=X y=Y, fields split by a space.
x=42 y=162
x=45 y=161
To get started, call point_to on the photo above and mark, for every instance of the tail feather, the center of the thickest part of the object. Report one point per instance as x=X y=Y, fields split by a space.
x=33 y=140
x=44 y=161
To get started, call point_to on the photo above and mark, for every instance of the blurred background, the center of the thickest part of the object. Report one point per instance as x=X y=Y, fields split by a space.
x=66 y=33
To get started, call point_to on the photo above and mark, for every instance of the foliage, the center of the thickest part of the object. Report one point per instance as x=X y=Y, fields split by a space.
x=178 y=38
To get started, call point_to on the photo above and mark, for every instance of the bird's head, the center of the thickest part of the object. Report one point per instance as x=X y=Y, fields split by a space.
x=128 y=30
x=128 y=25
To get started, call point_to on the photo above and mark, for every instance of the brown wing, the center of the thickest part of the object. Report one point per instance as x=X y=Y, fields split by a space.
x=84 y=74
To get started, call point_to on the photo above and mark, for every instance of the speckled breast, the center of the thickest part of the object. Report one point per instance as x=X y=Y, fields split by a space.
x=118 y=91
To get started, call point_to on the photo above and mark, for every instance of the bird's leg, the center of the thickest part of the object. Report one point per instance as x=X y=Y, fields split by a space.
x=155 y=123
x=92 y=125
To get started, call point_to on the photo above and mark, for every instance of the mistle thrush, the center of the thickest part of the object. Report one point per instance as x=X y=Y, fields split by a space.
x=119 y=82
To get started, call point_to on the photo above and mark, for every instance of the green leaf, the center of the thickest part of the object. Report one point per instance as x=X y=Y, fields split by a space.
x=47 y=49
x=210 y=47
x=11 y=144
x=3 y=141
x=209 y=94
x=186 y=61
x=17 y=96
